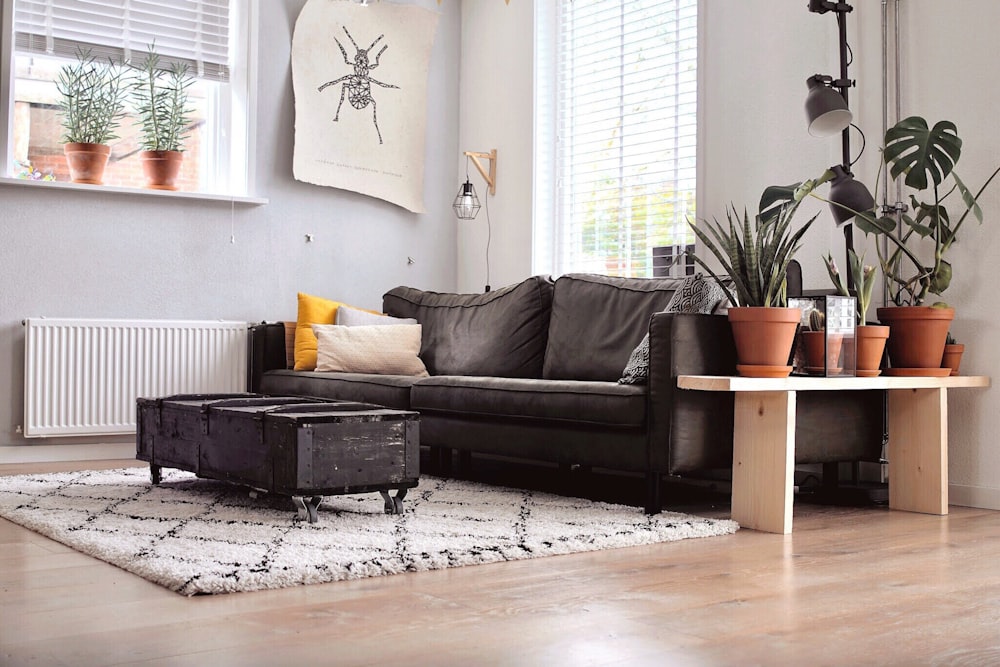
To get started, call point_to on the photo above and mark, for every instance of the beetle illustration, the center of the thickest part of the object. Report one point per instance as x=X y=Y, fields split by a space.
x=358 y=86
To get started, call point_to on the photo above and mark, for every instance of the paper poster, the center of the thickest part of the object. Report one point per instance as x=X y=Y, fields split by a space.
x=359 y=74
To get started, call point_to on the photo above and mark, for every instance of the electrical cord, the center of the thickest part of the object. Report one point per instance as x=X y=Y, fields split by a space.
x=864 y=142
x=489 y=225
x=489 y=238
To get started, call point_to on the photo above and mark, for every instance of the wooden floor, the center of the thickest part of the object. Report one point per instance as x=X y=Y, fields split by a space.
x=849 y=587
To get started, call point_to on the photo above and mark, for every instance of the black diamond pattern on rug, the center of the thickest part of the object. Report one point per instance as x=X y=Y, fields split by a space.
x=199 y=536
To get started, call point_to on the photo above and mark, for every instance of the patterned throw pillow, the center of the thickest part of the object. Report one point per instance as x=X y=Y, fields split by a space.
x=696 y=295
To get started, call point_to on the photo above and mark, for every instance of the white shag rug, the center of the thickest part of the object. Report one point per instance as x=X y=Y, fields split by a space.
x=197 y=536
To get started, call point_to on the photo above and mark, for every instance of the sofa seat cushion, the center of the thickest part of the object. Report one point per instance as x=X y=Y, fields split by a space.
x=392 y=391
x=604 y=403
x=500 y=334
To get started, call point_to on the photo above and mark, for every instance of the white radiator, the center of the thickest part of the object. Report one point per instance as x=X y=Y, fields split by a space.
x=81 y=377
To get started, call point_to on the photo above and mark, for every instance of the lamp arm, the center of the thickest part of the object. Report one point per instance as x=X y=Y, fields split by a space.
x=491 y=176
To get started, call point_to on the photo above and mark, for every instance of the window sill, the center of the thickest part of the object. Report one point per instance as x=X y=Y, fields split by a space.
x=82 y=187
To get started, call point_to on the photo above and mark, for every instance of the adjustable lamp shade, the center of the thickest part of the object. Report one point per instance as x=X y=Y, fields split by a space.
x=466 y=202
x=826 y=109
x=848 y=196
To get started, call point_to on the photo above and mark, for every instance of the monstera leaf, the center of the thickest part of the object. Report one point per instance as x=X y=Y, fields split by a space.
x=913 y=149
x=774 y=198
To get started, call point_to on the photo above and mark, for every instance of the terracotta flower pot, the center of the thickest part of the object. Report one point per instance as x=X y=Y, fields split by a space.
x=87 y=162
x=161 y=168
x=917 y=335
x=953 y=357
x=764 y=338
x=870 y=343
x=818 y=359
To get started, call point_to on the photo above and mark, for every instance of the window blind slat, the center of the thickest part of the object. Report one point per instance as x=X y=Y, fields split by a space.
x=626 y=132
x=195 y=32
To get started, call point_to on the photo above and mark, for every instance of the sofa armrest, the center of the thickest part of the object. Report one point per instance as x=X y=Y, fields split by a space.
x=689 y=430
x=265 y=351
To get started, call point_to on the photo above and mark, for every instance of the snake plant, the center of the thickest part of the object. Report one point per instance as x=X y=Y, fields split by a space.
x=755 y=255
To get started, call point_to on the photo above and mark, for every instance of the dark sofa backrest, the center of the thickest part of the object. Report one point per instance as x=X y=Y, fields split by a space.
x=498 y=334
x=597 y=321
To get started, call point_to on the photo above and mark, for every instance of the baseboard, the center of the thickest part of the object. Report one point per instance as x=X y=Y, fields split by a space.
x=50 y=453
x=982 y=497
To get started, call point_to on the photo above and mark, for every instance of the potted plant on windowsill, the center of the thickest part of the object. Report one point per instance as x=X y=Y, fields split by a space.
x=92 y=104
x=755 y=256
x=927 y=158
x=870 y=338
x=161 y=101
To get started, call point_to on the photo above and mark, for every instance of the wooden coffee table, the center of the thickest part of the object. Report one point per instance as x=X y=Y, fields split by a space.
x=298 y=447
x=764 y=440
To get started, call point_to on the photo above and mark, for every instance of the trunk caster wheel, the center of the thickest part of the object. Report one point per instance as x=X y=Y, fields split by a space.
x=155 y=474
x=307 y=510
x=394 y=505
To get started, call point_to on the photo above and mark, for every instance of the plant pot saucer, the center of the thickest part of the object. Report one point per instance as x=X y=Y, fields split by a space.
x=918 y=372
x=868 y=374
x=819 y=370
x=755 y=371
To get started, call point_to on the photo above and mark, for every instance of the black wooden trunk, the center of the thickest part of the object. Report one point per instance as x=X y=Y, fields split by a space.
x=292 y=446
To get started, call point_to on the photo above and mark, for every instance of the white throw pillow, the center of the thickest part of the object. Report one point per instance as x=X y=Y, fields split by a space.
x=382 y=350
x=355 y=317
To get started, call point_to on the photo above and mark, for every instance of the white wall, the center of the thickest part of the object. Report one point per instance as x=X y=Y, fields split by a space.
x=69 y=254
x=950 y=70
x=496 y=112
x=756 y=56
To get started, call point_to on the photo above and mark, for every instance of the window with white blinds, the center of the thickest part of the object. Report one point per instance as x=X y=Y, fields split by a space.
x=615 y=133
x=192 y=31
x=215 y=38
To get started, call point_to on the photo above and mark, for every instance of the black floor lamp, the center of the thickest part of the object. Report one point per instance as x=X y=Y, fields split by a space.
x=828 y=112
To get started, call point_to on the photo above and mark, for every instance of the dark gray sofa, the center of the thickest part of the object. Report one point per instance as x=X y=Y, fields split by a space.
x=531 y=370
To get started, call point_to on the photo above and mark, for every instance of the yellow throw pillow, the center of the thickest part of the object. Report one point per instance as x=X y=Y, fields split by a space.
x=312 y=310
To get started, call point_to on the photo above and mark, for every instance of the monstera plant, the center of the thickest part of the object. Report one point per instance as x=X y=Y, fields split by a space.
x=915 y=264
x=925 y=157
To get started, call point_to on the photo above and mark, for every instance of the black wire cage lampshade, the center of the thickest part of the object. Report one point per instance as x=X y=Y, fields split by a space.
x=466 y=202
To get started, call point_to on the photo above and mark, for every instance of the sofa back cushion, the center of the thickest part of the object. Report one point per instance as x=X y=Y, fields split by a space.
x=597 y=321
x=499 y=334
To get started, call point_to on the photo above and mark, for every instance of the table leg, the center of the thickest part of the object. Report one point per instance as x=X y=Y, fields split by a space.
x=764 y=460
x=918 y=450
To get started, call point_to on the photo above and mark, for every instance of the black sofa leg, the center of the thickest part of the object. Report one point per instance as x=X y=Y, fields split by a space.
x=653 y=490
x=464 y=462
x=440 y=461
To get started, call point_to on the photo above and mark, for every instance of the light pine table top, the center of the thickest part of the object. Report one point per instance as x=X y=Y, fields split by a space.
x=802 y=383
